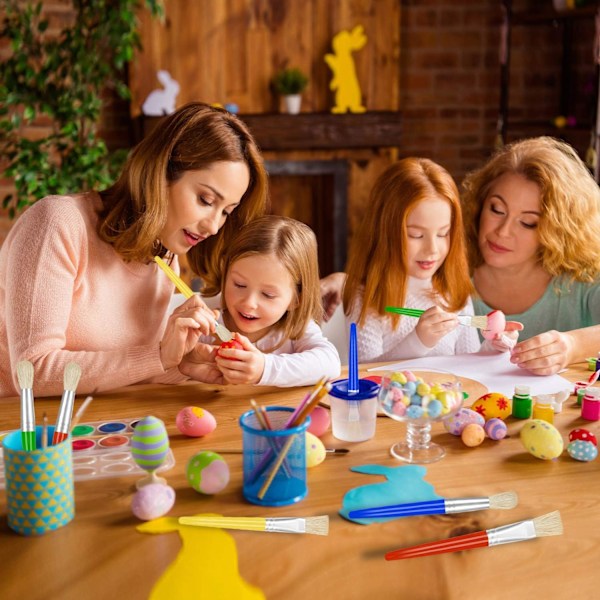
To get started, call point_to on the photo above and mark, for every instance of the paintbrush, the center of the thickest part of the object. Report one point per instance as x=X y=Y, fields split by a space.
x=441 y=506
x=261 y=416
x=44 y=431
x=65 y=412
x=222 y=332
x=314 y=525
x=80 y=412
x=240 y=451
x=25 y=377
x=550 y=524
x=480 y=322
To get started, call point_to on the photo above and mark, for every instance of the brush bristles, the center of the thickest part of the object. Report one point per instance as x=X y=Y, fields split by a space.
x=317 y=525
x=71 y=376
x=25 y=374
x=481 y=322
x=505 y=500
x=550 y=524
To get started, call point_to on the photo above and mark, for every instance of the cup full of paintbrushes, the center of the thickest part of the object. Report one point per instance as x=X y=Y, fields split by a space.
x=39 y=483
x=274 y=458
x=353 y=401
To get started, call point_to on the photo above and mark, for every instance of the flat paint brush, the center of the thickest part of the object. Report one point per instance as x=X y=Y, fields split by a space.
x=314 y=525
x=481 y=322
x=441 y=506
x=546 y=525
x=65 y=412
x=25 y=378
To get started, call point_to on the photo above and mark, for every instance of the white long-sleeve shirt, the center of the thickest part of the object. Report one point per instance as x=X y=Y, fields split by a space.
x=378 y=341
x=297 y=362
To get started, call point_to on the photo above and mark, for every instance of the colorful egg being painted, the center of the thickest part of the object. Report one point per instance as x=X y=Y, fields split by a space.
x=541 y=439
x=195 y=422
x=493 y=406
x=207 y=472
x=149 y=443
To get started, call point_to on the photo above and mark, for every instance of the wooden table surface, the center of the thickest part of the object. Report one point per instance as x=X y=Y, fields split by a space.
x=101 y=555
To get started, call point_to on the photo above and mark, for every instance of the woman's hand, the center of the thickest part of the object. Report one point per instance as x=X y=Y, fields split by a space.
x=241 y=366
x=434 y=324
x=332 y=287
x=183 y=329
x=199 y=364
x=544 y=354
x=505 y=341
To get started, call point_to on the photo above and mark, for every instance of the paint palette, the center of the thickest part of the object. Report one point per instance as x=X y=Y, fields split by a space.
x=102 y=449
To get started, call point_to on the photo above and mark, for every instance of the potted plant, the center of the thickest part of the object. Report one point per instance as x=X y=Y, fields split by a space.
x=290 y=83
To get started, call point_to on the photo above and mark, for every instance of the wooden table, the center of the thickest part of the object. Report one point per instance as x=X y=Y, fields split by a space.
x=101 y=555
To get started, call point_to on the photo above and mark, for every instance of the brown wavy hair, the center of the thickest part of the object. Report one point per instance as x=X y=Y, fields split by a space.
x=294 y=244
x=569 y=224
x=192 y=138
x=377 y=260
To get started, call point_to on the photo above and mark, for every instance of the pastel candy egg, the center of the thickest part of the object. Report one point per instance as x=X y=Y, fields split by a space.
x=207 y=472
x=399 y=409
x=414 y=411
x=410 y=376
x=315 y=450
x=463 y=417
x=195 y=422
x=319 y=421
x=472 y=435
x=149 y=443
x=153 y=501
x=584 y=435
x=399 y=377
x=410 y=387
x=541 y=439
x=583 y=451
x=423 y=389
x=492 y=406
x=495 y=429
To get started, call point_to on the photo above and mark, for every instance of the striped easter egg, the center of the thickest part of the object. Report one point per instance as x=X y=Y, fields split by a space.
x=149 y=443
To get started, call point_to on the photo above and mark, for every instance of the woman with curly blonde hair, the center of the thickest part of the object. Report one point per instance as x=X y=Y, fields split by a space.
x=532 y=220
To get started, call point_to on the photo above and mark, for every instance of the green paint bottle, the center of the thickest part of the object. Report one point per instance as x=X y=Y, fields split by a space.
x=522 y=404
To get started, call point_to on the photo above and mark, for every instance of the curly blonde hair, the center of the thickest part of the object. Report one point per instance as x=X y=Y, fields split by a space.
x=569 y=225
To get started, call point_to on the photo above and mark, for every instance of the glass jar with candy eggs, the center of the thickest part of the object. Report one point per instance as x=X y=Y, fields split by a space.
x=418 y=397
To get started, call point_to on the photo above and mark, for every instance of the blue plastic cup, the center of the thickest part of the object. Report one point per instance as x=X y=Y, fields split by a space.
x=262 y=449
x=353 y=415
x=39 y=484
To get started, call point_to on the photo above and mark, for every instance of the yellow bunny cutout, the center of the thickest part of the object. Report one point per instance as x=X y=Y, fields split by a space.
x=348 y=96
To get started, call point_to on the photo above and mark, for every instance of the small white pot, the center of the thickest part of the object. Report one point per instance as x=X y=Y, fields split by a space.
x=292 y=103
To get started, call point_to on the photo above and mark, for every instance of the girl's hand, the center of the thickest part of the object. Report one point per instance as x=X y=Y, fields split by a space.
x=183 y=329
x=199 y=364
x=505 y=341
x=241 y=366
x=434 y=324
x=544 y=354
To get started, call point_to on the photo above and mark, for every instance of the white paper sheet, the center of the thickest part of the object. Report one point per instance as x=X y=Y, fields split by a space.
x=493 y=370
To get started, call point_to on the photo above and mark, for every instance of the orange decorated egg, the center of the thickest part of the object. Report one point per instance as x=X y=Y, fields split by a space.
x=493 y=406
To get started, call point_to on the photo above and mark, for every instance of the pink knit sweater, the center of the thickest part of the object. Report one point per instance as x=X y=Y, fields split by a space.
x=65 y=295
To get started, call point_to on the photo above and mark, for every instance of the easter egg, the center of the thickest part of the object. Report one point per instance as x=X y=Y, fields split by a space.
x=153 y=501
x=315 y=450
x=207 y=472
x=495 y=429
x=233 y=344
x=465 y=416
x=496 y=324
x=492 y=406
x=149 y=443
x=583 y=451
x=541 y=439
x=472 y=435
x=584 y=435
x=319 y=421
x=195 y=422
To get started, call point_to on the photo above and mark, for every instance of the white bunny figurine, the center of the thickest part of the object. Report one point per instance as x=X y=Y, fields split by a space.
x=162 y=102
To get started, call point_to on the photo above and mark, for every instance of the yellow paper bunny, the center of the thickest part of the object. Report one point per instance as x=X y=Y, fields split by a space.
x=348 y=96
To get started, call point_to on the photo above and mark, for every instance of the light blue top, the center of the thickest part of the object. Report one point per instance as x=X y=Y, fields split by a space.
x=564 y=306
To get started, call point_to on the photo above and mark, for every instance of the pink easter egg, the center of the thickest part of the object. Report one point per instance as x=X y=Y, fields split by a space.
x=195 y=422
x=319 y=421
x=496 y=324
x=153 y=501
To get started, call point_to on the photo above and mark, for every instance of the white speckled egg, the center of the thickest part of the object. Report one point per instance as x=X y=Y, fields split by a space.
x=315 y=450
x=541 y=439
x=583 y=451
x=153 y=501
x=464 y=417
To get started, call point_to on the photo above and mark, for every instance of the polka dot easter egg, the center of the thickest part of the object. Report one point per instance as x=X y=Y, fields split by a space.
x=583 y=451
x=541 y=439
x=195 y=422
x=149 y=443
x=465 y=416
x=207 y=472
x=315 y=450
x=584 y=435
x=492 y=406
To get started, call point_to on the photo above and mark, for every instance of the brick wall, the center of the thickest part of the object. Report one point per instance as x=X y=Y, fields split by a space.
x=450 y=78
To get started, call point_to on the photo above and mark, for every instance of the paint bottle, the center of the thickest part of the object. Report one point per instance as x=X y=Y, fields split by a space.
x=580 y=394
x=521 y=402
x=542 y=409
x=590 y=405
